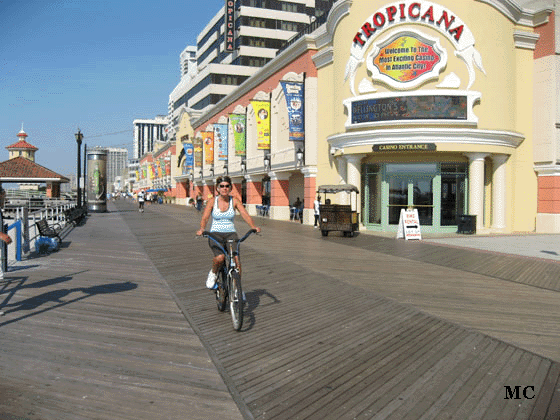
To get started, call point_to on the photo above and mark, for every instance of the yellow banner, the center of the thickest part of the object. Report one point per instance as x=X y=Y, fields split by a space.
x=262 y=114
x=208 y=141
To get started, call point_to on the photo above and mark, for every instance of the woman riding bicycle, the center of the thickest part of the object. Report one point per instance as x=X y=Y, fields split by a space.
x=222 y=209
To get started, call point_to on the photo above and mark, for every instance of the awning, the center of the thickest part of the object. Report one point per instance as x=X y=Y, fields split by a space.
x=333 y=189
x=156 y=189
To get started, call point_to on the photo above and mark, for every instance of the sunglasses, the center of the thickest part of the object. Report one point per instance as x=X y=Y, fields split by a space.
x=224 y=186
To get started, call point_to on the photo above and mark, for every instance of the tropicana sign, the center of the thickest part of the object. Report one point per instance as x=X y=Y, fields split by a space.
x=410 y=13
x=414 y=13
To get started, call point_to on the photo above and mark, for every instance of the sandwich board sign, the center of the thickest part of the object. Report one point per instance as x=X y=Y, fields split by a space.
x=409 y=225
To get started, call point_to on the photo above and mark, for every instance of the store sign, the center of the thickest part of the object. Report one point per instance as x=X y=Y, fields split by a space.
x=409 y=225
x=405 y=147
x=418 y=13
x=230 y=25
x=414 y=107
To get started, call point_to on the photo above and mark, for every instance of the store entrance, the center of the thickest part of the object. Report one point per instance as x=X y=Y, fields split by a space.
x=417 y=192
x=436 y=190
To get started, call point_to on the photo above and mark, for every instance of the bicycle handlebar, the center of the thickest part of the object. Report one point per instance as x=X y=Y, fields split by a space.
x=210 y=235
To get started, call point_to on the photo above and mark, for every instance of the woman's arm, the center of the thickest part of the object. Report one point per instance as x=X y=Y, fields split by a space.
x=206 y=216
x=5 y=237
x=239 y=206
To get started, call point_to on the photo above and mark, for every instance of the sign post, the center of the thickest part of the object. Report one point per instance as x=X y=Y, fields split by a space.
x=409 y=225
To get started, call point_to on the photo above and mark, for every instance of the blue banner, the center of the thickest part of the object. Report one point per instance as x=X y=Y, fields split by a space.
x=221 y=140
x=293 y=91
x=189 y=156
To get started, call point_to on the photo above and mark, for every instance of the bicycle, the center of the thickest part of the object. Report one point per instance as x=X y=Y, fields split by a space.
x=228 y=283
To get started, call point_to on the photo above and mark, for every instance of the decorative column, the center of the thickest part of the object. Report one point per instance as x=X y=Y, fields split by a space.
x=254 y=193
x=476 y=187
x=279 y=195
x=342 y=167
x=354 y=177
x=310 y=191
x=499 y=192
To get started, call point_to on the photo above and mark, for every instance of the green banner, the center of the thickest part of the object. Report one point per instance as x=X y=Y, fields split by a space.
x=238 y=124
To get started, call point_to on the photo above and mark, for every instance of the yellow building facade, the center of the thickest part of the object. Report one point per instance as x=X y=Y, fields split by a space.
x=434 y=106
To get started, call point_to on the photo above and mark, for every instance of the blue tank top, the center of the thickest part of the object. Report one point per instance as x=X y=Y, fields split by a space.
x=223 y=221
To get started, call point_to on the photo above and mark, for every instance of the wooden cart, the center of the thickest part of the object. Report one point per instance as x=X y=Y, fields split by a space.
x=338 y=217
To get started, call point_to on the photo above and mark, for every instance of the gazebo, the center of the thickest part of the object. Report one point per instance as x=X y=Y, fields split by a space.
x=21 y=168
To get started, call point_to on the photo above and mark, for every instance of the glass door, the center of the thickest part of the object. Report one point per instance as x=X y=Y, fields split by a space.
x=423 y=198
x=398 y=197
x=417 y=192
x=411 y=185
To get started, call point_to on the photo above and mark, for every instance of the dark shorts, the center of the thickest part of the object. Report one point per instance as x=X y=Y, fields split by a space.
x=224 y=237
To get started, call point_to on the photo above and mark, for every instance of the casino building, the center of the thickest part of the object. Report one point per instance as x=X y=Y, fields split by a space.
x=450 y=108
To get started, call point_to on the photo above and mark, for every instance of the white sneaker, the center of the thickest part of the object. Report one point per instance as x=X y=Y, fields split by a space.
x=211 y=280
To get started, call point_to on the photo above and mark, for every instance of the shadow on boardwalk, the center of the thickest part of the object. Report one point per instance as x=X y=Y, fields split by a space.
x=50 y=300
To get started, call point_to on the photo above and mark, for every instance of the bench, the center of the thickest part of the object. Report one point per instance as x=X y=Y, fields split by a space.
x=74 y=215
x=48 y=231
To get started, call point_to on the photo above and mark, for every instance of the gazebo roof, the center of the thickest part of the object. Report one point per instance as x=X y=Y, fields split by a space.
x=20 y=169
x=22 y=144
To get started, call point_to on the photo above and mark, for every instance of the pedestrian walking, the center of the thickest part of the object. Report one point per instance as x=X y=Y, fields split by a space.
x=317 y=210
x=141 y=199
x=199 y=202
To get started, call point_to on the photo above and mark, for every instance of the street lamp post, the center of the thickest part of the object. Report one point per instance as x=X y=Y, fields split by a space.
x=84 y=193
x=79 y=137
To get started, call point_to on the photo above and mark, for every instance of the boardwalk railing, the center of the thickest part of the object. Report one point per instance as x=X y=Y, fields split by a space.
x=25 y=229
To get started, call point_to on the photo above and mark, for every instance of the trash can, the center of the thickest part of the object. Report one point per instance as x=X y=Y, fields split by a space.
x=466 y=223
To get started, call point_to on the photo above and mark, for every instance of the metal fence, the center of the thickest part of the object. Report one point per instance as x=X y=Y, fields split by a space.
x=22 y=222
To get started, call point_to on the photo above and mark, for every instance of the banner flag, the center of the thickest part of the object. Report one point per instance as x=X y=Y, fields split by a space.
x=238 y=124
x=189 y=156
x=197 y=143
x=221 y=140
x=208 y=139
x=262 y=114
x=295 y=100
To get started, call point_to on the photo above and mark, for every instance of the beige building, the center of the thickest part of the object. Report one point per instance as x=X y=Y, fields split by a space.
x=446 y=107
x=449 y=108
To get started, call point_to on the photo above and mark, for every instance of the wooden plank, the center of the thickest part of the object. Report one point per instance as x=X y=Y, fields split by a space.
x=319 y=341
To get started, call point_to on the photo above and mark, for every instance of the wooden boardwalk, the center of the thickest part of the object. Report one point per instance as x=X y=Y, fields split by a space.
x=118 y=325
x=92 y=332
x=342 y=329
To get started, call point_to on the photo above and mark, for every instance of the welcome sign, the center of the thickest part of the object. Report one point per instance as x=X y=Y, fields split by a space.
x=406 y=59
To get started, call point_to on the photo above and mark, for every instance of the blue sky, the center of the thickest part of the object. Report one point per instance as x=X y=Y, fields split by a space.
x=92 y=64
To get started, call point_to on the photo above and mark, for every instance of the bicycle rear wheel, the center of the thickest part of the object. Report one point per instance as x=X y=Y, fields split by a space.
x=236 y=300
x=221 y=291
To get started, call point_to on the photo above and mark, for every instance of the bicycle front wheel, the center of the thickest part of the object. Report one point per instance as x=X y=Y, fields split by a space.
x=236 y=300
